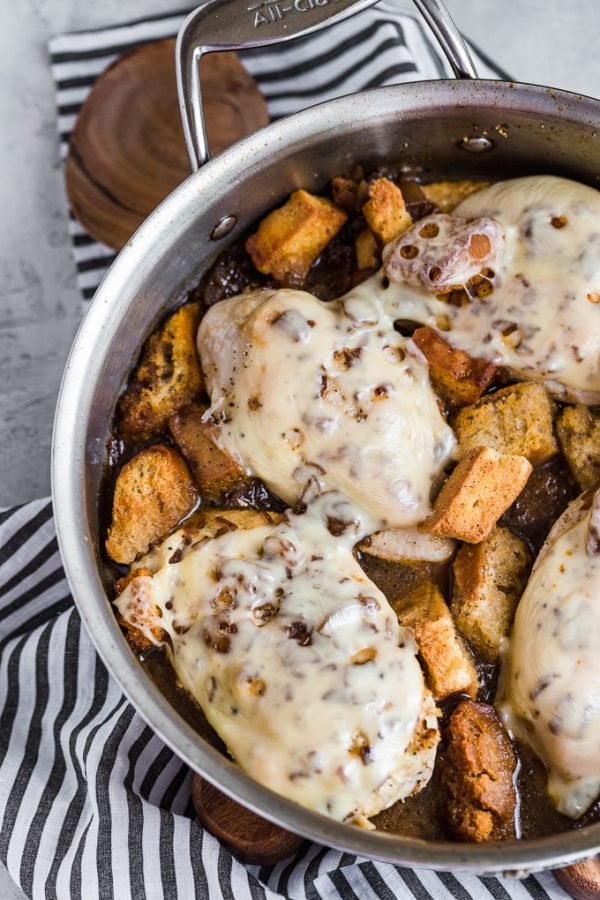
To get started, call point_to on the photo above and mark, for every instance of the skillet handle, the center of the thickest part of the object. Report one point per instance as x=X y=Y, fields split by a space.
x=248 y=24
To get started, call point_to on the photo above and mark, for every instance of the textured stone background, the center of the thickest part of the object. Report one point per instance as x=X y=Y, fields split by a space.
x=542 y=41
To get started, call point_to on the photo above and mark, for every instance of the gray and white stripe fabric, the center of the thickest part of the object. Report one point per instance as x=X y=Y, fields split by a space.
x=94 y=806
x=376 y=47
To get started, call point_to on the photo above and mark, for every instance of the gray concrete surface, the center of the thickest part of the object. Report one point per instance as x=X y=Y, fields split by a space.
x=542 y=41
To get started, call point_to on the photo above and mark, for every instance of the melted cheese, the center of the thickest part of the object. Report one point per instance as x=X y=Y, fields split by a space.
x=299 y=386
x=553 y=681
x=542 y=319
x=296 y=658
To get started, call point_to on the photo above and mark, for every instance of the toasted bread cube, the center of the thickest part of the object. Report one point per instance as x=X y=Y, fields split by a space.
x=480 y=489
x=141 y=613
x=488 y=580
x=290 y=238
x=367 y=251
x=579 y=434
x=153 y=492
x=213 y=468
x=168 y=377
x=345 y=192
x=385 y=211
x=448 y=194
x=449 y=666
x=476 y=774
x=456 y=377
x=516 y=419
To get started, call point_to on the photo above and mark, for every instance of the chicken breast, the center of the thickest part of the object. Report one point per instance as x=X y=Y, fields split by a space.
x=552 y=682
x=294 y=655
x=300 y=388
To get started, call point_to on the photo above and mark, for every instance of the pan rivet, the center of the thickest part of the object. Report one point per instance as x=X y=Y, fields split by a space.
x=223 y=227
x=477 y=144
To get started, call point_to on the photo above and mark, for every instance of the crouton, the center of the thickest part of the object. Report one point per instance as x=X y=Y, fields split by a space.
x=153 y=492
x=449 y=666
x=290 y=238
x=345 y=192
x=140 y=610
x=367 y=252
x=448 y=194
x=456 y=377
x=488 y=580
x=168 y=377
x=476 y=775
x=385 y=210
x=516 y=419
x=215 y=471
x=482 y=487
x=578 y=431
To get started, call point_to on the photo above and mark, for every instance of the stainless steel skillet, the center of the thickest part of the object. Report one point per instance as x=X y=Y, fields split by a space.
x=467 y=127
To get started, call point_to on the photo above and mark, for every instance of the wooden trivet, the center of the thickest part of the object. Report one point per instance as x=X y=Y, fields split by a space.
x=581 y=880
x=127 y=151
x=251 y=838
x=256 y=841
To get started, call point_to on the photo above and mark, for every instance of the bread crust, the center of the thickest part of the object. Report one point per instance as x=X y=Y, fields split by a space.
x=448 y=194
x=367 y=251
x=458 y=378
x=480 y=489
x=578 y=429
x=290 y=238
x=488 y=580
x=517 y=419
x=448 y=664
x=385 y=211
x=153 y=492
x=215 y=470
x=167 y=377
x=476 y=771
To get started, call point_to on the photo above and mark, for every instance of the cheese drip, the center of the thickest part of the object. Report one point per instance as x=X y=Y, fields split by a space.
x=299 y=386
x=296 y=658
x=542 y=319
x=553 y=680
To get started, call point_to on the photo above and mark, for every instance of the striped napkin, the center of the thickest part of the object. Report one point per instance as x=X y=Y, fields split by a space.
x=92 y=804
x=374 y=48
